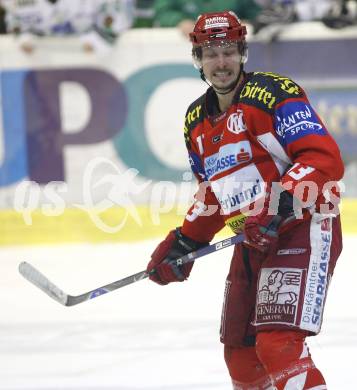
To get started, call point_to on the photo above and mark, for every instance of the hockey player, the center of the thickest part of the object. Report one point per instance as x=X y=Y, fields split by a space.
x=269 y=168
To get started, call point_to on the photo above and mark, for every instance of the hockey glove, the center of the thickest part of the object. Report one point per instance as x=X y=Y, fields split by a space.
x=262 y=230
x=162 y=267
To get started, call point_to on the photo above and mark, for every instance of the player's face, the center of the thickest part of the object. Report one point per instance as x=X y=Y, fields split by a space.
x=221 y=64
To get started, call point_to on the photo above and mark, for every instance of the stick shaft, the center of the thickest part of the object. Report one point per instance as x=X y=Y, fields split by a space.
x=42 y=282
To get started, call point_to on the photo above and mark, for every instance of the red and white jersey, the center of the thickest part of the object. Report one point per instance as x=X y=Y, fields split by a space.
x=269 y=134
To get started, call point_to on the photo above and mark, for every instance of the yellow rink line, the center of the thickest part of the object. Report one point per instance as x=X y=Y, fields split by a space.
x=75 y=225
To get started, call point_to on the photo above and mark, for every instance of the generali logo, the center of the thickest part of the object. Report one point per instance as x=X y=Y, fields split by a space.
x=235 y=122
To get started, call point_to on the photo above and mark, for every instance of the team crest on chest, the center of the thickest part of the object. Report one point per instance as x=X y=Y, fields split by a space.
x=235 y=122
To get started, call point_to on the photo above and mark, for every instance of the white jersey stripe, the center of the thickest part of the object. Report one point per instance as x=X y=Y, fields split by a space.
x=298 y=382
x=317 y=274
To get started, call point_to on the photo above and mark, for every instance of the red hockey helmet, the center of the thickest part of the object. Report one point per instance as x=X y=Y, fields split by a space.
x=217 y=26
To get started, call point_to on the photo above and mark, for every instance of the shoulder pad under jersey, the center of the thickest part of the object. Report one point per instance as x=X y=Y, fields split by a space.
x=194 y=115
x=266 y=89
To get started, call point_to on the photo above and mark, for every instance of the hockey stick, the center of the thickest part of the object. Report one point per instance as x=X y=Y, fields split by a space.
x=39 y=280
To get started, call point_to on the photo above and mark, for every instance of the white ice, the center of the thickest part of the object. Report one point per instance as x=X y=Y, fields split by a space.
x=142 y=336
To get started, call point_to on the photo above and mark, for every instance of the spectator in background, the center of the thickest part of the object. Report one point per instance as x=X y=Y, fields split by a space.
x=183 y=13
x=307 y=10
x=2 y=20
x=333 y=13
x=274 y=12
x=343 y=14
x=144 y=13
x=97 y=22
x=110 y=19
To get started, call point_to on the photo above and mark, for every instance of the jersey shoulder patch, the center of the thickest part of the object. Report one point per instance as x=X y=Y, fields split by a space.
x=266 y=89
x=194 y=115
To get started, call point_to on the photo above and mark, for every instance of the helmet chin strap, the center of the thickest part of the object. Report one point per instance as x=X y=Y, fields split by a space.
x=227 y=90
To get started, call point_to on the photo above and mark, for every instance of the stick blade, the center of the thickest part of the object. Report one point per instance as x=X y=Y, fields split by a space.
x=35 y=277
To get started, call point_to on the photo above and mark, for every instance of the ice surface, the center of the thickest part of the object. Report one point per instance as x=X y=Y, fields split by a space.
x=142 y=336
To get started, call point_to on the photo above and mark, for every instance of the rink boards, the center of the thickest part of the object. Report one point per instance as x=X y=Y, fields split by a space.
x=112 y=225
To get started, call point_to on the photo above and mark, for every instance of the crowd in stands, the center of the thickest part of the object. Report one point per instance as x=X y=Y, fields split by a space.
x=96 y=22
x=100 y=22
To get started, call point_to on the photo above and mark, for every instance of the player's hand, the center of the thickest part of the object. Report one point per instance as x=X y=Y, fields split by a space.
x=262 y=230
x=162 y=268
